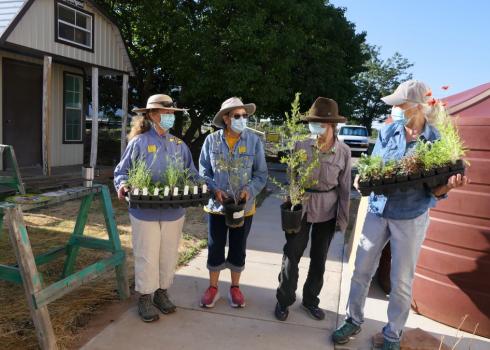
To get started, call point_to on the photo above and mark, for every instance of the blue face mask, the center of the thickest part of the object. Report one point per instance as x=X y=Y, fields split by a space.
x=398 y=116
x=167 y=121
x=316 y=128
x=238 y=125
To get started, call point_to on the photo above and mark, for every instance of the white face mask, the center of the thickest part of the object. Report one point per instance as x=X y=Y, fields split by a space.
x=238 y=125
x=316 y=128
x=398 y=115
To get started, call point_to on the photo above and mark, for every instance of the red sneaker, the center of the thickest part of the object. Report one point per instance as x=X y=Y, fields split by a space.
x=210 y=297
x=236 y=297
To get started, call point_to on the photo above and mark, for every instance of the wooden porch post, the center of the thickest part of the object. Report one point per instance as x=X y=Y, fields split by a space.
x=125 y=112
x=47 y=77
x=95 y=116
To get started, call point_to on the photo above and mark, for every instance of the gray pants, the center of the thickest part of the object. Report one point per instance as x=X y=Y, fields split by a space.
x=406 y=237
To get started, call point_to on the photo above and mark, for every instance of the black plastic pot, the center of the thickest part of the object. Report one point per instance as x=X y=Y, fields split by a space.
x=442 y=169
x=234 y=213
x=291 y=219
x=429 y=172
x=389 y=180
x=458 y=165
x=415 y=175
x=401 y=178
x=376 y=182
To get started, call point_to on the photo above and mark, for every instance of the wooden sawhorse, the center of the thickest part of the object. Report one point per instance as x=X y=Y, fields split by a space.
x=26 y=273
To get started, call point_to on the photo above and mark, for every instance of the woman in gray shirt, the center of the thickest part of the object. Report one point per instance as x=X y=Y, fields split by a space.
x=326 y=207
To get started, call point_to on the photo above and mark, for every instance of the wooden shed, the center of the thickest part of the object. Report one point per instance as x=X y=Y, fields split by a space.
x=47 y=50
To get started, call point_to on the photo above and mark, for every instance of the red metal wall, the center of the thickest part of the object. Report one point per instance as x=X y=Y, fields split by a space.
x=453 y=272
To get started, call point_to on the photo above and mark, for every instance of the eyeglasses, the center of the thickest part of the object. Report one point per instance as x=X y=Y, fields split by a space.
x=238 y=116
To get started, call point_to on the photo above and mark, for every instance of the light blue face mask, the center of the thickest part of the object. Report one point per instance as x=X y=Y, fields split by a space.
x=316 y=128
x=167 y=121
x=398 y=116
x=238 y=125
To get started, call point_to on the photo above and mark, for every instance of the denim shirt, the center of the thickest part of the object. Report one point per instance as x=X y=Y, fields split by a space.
x=392 y=144
x=157 y=150
x=250 y=148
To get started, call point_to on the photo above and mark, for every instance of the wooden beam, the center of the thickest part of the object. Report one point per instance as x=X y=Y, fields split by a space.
x=30 y=276
x=95 y=116
x=47 y=78
x=125 y=112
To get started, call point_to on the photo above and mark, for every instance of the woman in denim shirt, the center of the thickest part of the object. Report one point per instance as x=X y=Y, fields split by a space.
x=155 y=232
x=401 y=218
x=233 y=140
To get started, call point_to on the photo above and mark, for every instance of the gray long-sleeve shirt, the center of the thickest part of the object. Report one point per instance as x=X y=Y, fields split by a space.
x=333 y=173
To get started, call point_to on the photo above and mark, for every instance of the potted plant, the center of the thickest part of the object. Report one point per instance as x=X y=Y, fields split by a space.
x=370 y=170
x=299 y=169
x=139 y=178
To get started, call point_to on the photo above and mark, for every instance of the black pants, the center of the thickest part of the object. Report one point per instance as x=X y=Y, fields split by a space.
x=321 y=236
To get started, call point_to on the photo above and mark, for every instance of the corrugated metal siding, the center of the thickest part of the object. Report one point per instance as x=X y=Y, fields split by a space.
x=36 y=30
x=61 y=154
x=8 y=10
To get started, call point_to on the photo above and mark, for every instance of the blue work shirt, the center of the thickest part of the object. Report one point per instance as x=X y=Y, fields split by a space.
x=250 y=148
x=157 y=150
x=392 y=144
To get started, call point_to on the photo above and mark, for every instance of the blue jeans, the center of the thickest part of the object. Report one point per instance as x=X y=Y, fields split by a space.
x=406 y=237
x=218 y=233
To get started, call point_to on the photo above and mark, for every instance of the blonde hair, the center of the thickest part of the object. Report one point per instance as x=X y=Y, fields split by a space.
x=139 y=125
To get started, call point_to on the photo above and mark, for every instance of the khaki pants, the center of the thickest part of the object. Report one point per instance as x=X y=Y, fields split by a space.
x=155 y=248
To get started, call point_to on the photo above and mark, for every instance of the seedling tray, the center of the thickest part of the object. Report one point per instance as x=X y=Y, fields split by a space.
x=165 y=202
x=428 y=179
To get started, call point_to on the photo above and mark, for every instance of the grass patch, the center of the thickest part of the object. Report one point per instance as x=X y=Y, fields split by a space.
x=51 y=227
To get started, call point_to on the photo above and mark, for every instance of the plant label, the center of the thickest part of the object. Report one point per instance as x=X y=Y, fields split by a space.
x=238 y=214
x=155 y=192
x=196 y=190
x=186 y=190
x=176 y=191
x=136 y=192
x=145 y=191
x=166 y=191
x=204 y=188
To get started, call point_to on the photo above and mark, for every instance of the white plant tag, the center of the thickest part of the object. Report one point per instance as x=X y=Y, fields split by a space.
x=166 y=191
x=204 y=188
x=136 y=191
x=196 y=190
x=176 y=191
x=186 y=190
x=238 y=214
x=155 y=192
x=145 y=191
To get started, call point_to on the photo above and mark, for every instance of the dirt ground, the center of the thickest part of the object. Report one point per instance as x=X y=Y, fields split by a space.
x=51 y=227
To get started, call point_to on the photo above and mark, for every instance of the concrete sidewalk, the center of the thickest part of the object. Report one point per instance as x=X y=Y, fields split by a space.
x=224 y=327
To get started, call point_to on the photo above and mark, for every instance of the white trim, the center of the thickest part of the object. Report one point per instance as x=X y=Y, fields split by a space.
x=65 y=107
x=75 y=26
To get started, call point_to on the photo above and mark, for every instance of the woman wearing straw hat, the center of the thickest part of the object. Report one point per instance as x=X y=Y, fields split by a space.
x=325 y=209
x=156 y=232
x=233 y=141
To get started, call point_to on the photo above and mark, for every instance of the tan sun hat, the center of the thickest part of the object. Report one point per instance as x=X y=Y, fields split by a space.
x=409 y=91
x=229 y=105
x=159 y=101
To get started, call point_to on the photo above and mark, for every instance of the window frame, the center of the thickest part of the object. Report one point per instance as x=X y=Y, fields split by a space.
x=82 y=109
x=60 y=40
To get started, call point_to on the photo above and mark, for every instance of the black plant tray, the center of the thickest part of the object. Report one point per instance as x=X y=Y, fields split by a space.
x=437 y=178
x=161 y=202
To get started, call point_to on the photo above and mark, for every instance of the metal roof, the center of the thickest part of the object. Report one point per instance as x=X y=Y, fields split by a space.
x=9 y=9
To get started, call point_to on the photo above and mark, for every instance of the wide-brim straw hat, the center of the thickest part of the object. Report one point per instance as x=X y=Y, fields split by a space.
x=324 y=110
x=157 y=102
x=229 y=105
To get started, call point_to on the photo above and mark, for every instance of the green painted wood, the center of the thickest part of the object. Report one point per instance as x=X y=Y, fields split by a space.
x=72 y=250
x=10 y=273
x=121 y=270
x=75 y=280
x=92 y=243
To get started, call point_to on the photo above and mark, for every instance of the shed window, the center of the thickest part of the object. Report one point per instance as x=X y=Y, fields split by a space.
x=74 y=26
x=73 y=108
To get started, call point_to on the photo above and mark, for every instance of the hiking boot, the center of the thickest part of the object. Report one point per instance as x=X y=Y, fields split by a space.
x=236 y=297
x=162 y=302
x=281 y=312
x=343 y=333
x=315 y=312
x=210 y=297
x=390 y=345
x=146 y=310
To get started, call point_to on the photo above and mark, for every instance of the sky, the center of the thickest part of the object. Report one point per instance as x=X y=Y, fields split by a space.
x=448 y=41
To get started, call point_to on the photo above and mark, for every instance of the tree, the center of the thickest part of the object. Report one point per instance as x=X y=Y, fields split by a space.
x=379 y=79
x=261 y=51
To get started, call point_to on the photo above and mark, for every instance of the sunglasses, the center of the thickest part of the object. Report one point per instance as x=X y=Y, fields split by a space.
x=238 y=116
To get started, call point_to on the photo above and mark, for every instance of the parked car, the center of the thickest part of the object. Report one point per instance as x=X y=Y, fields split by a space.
x=354 y=136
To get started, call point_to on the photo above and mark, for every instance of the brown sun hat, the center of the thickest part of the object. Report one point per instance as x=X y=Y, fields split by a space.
x=324 y=110
x=159 y=101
